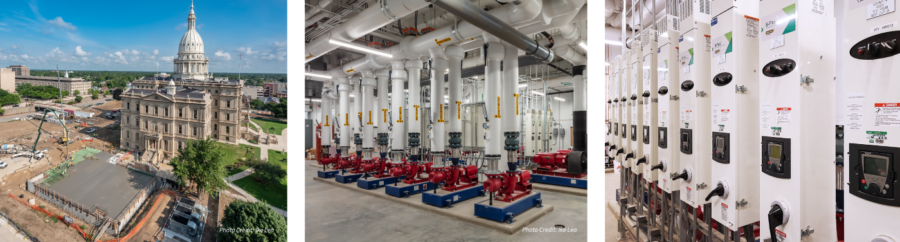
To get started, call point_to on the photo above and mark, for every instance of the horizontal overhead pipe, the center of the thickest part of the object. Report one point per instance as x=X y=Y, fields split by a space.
x=473 y=14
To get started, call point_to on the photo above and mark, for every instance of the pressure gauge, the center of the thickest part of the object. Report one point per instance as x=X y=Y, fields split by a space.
x=485 y=125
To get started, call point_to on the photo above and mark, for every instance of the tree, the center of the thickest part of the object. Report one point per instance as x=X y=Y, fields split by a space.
x=65 y=93
x=95 y=96
x=105 y=92
x=202 y=164
x=77 y=92
x=2 y=111
x=256 y=103
x=263 y=223
x=78 y=99
x=117 y=94
x=269 y=173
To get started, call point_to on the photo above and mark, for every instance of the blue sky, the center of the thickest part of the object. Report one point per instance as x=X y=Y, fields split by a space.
x=128 y=35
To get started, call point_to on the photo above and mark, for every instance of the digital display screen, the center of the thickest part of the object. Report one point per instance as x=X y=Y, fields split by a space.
x=662 y=134
x=720 y=143
x=774 y=151
x=875 y=166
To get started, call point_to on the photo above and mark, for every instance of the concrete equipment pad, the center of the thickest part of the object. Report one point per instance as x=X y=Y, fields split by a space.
x=98 y=182
x=561 y=189
x=462 y=211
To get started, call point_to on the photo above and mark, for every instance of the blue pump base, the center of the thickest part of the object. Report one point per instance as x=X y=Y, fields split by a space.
x=372 y=182
x=505 y=212
x=347 y=177
x=559 y=181
x=405 y=190
x=327 y=174
x=447 y=199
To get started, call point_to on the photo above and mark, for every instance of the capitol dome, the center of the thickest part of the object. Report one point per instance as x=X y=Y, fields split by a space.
x=191 y=62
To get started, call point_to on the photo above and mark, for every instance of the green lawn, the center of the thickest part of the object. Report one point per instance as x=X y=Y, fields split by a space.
x=253 y=127
x=267 y=124
x=235 y=152
x=275 y=195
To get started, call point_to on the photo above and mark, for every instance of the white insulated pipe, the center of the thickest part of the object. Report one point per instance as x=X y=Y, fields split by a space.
x=344 y=103
x=317 y=17
x=368 y=20
x=580 y=99
x=494 y=53
x=398 y=104
x=322 y=4
x=414 y=69
x=455 y=56
x=383 y=76
x=438 y=66
x=368 y=109
x=509 y=85
x=325 y=115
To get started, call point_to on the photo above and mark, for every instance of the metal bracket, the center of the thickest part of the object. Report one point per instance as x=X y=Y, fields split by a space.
x=656 y=100
x=806 y=80
x=807 y=231
x=641 y=102
x=740 y=88
x=386 y=11
x=740 y=204
x=701 y=186
x=701 y=93
x=673 y=97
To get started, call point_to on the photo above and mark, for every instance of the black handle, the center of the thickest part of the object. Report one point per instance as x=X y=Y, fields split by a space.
x=683 y=176
x=641 y=160
x=719 y=191
x=620 y=151
x=629 y=155
x=658 y=166
x=776 y=216
x=612 y=147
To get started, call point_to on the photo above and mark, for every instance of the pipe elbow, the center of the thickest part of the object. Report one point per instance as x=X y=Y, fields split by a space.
x=367 y=74
x=455 y=51
x=414 y=64
x=495 y=51
x=437 y=53
x=382 y=73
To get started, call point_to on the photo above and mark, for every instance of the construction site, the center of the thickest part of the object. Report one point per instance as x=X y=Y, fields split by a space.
x=72 y=183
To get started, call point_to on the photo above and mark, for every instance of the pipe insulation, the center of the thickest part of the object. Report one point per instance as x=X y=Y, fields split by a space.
x=383 y=77
x=317 y=18
x=438 y=66
x=324 y=120
x=509 y=107
x=398 y=104
x=368 y=109
x=322 y=4
x=455 y=55
x=344 y=103
x=371 y=19
x=579 y=109
x=494 y=52
x=414 y=67
x=473 y=14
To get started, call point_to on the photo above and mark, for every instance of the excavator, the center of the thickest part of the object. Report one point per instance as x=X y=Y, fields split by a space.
x=62 y=140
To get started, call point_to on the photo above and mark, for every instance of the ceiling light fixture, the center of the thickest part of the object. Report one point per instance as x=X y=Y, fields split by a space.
x=360 y=48
x=316 y=75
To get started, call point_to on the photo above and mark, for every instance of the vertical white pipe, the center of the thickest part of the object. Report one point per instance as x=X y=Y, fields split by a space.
x=344 y=120
x=325 y=115
x=438 y=66
x=494 y=54
x=381 y=108
x=368 y=105
x=508 y=105
x=414 y=69
x=454 y=76
x=398 y=104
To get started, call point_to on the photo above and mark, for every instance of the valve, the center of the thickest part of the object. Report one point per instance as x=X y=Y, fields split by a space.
x=721 y=190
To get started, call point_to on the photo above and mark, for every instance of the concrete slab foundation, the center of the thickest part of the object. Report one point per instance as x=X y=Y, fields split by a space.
x=462 y=211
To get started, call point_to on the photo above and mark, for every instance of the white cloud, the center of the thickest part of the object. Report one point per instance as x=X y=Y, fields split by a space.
x=84 y=58
x=17 y=46
x=120 y=57
x=167 y=58
x=247 y=50
x=135 y=52
x=80 y=52
x=25 y=56
x=181 y=26
x=155 y=52
x=223 y=55
x=281 y=44
x=59 y=23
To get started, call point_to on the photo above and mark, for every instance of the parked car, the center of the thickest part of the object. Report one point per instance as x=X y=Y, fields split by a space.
x=91 y=130
x=109 y=99
x=17 y=119
x=3 y=165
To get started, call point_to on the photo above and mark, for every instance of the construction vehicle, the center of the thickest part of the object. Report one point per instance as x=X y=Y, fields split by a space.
x=63 y=140
x=8 y=149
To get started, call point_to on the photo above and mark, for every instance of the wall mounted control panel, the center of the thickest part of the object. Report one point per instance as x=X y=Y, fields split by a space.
x=693 y=65
x=664 y=137
x=779 y=67
x=878 y=46
x=873 y=174
x=720 y=151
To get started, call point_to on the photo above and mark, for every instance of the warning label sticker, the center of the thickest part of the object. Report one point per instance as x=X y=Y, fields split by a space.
x=686 y=115
x=724 y=115
x=663 y=116
x=887 y=114
x=724 y=212
x=853 y=110
x=688 y=192
x=783 y=115
x=780 y=235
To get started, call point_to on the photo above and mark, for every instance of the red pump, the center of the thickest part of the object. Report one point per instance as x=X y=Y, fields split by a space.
x=378 y=167
x=554 y=164
x=454 y=177
x=412 y=170
x=509 y=186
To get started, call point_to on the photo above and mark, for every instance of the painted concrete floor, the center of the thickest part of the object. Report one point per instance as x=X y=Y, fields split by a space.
x=338 y=214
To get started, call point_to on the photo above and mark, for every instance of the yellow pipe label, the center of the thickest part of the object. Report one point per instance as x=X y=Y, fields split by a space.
x=517 y=103
x=417 y=111
x=498 y=108
x=370 y=118
x=441 y=118
x=384 y=111
x=401 y=115
x=351 y=70
x=439 y=42
x=359 y=115
x=346 y=119
x=326 y=120
x=458 y=109
x=310 y=55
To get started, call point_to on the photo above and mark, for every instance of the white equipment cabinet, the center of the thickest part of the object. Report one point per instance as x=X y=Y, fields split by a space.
x=648 y=102
x=871 y=67
x=797 y=152
x=667 y=89
x=694 y=112
x=735 y=108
